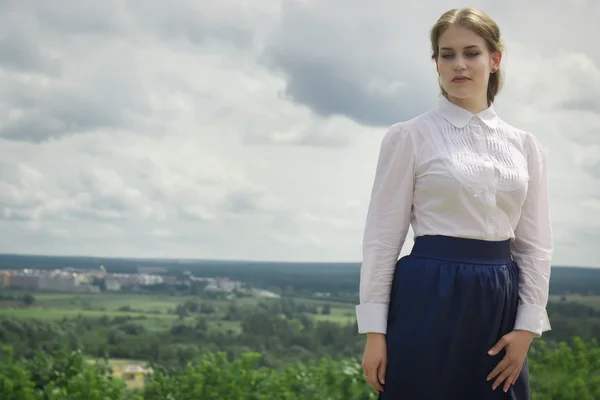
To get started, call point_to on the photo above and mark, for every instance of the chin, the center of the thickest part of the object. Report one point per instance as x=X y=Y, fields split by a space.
x=460 y=94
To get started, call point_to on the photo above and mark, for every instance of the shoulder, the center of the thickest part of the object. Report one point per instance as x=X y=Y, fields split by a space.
x=530 y=143
x=407 y=130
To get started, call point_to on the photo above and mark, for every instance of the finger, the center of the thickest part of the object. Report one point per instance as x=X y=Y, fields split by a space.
x=505 y=374
x=381 y=372
x=498 y=346
x=499 y=368
x=517 y=374
x=511 y=380
x=372 y=379
x=375 y=384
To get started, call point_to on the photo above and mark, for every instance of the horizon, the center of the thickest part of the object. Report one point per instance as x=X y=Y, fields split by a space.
x=223 y=260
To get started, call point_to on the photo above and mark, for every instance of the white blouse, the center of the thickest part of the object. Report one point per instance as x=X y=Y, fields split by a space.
x=451 y=172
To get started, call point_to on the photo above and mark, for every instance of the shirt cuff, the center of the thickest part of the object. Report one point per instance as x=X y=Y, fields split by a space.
x=532 y=318
x=372 y=317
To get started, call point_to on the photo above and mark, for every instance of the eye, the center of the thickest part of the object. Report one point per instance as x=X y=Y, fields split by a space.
x=447 y=55
x=472 y=54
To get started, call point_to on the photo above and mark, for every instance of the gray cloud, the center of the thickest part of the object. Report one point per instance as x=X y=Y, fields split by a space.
x=45 y=111
x=185 y=24
x=91 y=93
x=331 y=134
x=587 y=101
x=364 y=73
x=85 y=17
x=328 y=92
x=25 y=193
x=21 y=53
x=93 y=79
x=594 y=170
x=586 y=136
x=584 y=78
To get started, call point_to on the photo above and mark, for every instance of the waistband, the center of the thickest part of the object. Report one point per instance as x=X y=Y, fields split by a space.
x=448 y=248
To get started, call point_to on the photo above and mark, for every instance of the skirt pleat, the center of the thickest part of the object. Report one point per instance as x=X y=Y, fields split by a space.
x=451 y=300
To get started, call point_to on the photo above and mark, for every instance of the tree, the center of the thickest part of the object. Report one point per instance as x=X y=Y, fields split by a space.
x=28 y=299
x=566 y=371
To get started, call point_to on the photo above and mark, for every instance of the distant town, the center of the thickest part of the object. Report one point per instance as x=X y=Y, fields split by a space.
x=91 y=281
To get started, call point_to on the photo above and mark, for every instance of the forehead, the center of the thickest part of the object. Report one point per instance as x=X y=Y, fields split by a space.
x=458 y=37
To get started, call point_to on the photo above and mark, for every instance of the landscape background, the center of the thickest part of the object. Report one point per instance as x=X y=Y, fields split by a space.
x=159 y=322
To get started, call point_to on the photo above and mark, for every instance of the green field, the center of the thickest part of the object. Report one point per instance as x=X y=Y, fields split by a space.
x=591 y=300
x=155 y=312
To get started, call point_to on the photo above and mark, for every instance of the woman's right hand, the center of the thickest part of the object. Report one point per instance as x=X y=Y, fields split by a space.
x=374 y=361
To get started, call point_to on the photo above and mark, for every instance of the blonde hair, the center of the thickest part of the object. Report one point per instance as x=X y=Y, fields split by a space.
x=482 y=25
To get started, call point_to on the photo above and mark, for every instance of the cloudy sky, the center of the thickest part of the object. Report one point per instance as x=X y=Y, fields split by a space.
x=250 y=129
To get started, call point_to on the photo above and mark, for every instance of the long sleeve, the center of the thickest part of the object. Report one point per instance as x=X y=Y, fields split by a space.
x=532 y=247
x=387 y=224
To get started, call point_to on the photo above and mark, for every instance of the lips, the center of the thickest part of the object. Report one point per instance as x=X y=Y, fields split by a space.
x=460 y=79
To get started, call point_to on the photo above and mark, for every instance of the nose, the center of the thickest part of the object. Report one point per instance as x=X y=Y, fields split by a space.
x=459 y=63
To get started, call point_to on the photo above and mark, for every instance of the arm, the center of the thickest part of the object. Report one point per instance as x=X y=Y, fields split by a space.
x=388 y=220
x=532 y=248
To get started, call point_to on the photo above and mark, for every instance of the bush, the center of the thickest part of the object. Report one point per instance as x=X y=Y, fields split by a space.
x=567 y=371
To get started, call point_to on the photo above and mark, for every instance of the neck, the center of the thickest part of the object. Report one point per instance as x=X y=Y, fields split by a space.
x=471 y=104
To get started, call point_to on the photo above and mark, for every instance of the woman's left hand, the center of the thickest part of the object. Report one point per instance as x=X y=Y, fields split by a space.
x=516 y=344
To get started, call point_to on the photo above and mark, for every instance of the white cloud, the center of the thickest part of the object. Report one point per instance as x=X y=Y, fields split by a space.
x=220 y=130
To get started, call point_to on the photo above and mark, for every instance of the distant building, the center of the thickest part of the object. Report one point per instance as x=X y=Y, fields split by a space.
x=24 y=281
x=112 y=285
x=63 y=282
x=135 y=372
x=169 y=280
x=4 y=279
x=221 y=285
x=265 y=293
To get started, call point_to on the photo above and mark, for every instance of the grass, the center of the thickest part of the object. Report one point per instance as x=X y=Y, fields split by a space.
x=225 y=326
x=591 y=301
x=139 y=303
x=59 y=313
x=155 y=312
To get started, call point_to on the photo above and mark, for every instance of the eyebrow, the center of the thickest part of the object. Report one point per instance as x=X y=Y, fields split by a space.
x=467 y=47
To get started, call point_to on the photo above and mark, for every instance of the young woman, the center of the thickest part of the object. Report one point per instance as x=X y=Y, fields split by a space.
x=455 y=318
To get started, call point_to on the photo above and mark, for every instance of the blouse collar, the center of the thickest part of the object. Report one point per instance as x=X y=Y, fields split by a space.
x=460 y=117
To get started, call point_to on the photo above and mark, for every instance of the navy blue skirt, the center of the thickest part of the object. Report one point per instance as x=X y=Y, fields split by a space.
x=451 y=301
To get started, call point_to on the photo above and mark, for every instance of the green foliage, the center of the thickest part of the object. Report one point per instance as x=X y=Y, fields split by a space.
x=567 y=371
x=287 y=348
x=15 y=381
x=66 y=375
x=281 y=330
x=213 y=377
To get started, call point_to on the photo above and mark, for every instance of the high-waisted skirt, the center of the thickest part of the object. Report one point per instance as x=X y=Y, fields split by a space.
x=451 y=300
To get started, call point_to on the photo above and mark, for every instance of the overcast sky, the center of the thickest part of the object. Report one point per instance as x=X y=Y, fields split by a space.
x=250 y=129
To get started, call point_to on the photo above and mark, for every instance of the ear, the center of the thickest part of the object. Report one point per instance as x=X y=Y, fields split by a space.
x=496 y=59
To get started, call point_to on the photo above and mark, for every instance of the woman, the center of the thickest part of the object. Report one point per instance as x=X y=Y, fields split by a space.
x=455 y=318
